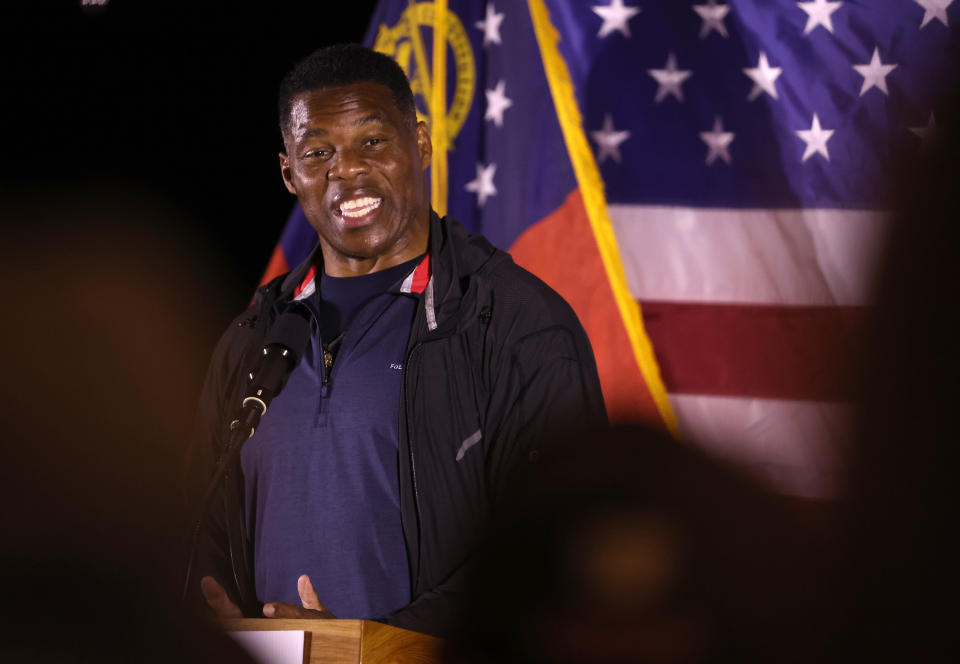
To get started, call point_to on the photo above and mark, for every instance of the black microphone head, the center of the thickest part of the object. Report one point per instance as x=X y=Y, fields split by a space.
x=283 y=346
x=292 y=331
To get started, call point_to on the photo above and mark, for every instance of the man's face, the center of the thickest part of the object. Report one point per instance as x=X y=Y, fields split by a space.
x=356 y=165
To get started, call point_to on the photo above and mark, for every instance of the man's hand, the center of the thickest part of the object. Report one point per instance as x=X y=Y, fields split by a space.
x=312 y=608
x=217 y=599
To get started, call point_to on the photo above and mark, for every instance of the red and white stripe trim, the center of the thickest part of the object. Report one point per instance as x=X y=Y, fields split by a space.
x=308 y=286
x=416 y=281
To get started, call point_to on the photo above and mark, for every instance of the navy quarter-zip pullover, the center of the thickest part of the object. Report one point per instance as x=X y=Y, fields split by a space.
x=321 y=474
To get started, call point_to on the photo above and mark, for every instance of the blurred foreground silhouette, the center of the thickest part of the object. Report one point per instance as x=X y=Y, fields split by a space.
x=630 y=547
x=900 y=555
x=109 y=317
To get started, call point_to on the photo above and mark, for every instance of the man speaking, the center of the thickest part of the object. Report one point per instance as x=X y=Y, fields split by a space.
x=436 y=367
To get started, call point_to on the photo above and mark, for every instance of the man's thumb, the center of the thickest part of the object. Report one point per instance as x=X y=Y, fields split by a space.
x=217 y=599
x=308 y=596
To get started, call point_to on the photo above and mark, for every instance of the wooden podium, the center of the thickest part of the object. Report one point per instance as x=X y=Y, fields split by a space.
x=349 y=641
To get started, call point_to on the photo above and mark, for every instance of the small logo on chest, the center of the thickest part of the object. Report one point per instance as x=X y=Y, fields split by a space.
x=396 y=366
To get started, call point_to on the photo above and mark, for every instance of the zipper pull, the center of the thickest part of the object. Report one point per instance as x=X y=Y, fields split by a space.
x=329 y=354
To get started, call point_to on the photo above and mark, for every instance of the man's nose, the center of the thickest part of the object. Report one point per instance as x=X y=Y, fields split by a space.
x=347 y=164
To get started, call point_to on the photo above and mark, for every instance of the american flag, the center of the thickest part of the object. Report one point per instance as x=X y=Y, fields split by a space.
x=744 y=149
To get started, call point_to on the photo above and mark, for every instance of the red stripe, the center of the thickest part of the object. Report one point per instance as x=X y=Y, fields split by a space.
x=561 y=250
x=777 y=352
x=311 y=273
x=421 y=275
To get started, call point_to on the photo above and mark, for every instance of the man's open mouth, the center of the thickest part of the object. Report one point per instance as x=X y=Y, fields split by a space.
x=355 y=208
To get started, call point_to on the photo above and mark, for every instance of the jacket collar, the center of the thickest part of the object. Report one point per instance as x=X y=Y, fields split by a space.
x=293 y=283
x=453 y=256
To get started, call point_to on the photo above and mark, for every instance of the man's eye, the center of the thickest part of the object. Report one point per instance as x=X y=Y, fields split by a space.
x=317 y=154
x=374 y=141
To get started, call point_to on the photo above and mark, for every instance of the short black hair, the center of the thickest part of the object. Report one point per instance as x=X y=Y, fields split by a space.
x=343 y=64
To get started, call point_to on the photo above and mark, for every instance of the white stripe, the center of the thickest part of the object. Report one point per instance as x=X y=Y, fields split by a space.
x=794 y=445
x=428 y=305
x=792 y=257
x=407 y=284
x=471 y=440
x=308 y=290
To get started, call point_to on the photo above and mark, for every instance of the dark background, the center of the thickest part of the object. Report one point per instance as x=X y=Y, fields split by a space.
x=160 y=104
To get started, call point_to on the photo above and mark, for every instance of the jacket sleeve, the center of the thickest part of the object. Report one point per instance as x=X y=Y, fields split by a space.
x=211 y=555
x=548 y=389
x=552 y=394
x=437 y=611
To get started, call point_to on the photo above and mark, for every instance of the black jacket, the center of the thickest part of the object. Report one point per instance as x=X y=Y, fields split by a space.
x=495 y=362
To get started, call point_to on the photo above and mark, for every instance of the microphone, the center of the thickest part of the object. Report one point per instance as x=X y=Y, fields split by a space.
x=283 y=346
x=282 y=349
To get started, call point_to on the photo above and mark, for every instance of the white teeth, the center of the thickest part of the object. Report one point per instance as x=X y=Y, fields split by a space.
x=357 y=207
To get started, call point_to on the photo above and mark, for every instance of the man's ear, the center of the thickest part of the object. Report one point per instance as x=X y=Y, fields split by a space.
x=424 y=145
x=285 y=173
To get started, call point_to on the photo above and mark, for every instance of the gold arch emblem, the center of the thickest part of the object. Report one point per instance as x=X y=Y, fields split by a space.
x=404 y=43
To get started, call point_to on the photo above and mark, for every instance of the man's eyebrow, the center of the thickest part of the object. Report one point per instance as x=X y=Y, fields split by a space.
x=372 y=117
x=366 y=119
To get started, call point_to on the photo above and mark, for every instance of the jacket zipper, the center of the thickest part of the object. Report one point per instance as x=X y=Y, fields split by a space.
x=413 y=470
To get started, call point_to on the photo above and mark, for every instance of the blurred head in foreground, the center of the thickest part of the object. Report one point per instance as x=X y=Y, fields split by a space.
x=632 y=547
x=902 y=558
x=107 y=307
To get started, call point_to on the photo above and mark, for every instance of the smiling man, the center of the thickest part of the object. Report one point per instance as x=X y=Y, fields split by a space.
x=436 y=369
